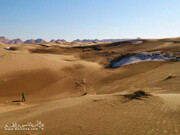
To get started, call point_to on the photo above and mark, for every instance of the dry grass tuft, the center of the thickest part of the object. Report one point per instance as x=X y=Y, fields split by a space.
x=137 y=95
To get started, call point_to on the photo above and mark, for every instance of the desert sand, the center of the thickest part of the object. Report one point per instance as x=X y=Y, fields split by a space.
x=73 y=89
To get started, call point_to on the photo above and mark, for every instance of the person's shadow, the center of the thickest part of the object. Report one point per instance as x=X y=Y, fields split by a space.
x=16 y=101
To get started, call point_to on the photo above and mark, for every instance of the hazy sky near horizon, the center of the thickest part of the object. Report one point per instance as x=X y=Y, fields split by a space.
x=89 y=19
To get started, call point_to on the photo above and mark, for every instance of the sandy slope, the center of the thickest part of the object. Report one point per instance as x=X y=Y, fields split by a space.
x=54 y=76
x=104 y=114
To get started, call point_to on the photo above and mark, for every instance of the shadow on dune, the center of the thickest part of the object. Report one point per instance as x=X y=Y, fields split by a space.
x=16 y=101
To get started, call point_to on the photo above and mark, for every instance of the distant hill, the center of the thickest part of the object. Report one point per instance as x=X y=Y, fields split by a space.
x=57 y=40
x=4 y=40
x=97 y=40
x=16 y=41
x=39 y=40
x=35 y=41
x=30 y=41
x=13 y=41
x=19 y=41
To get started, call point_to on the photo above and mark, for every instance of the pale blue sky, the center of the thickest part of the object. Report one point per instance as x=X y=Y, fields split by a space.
x=72 y=19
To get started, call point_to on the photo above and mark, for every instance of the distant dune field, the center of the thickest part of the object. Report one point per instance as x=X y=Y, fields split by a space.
x=81 y=88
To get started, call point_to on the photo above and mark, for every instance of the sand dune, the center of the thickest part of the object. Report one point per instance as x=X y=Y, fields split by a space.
x=54 y=77
x=104 y=114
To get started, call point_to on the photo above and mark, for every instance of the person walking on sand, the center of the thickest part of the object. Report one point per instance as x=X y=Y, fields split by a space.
x=23 y=97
